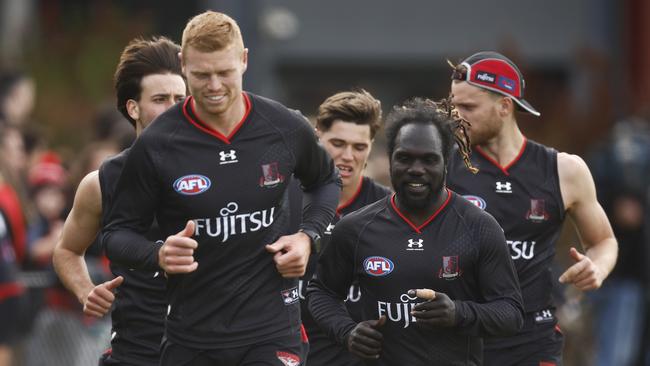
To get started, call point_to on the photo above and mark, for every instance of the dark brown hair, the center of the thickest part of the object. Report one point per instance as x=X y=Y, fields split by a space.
x=140 y=58
x=357 y=106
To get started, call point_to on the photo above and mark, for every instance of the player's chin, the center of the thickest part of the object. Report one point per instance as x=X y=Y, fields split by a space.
x=417 y=199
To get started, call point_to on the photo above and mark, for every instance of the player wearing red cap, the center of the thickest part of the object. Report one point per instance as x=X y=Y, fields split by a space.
x=529 y=188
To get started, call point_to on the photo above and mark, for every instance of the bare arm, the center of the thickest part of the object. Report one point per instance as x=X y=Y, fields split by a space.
x=79 y=232
x=594 y=229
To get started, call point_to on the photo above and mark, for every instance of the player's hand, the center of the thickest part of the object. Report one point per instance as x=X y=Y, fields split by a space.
x=291 y=254
x=177 y=253
x=365 y=339
x=100 y=298
x=584 y=274
x=437 y=312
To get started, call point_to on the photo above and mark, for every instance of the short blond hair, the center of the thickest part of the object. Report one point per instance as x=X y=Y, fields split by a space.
x=211 y=31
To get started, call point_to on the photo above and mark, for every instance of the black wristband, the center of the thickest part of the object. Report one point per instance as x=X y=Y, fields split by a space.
x=314 y=238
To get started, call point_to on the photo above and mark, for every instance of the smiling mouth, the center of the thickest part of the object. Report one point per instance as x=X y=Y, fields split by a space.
x=417 y=187
x=216 y=98
x=344 y=169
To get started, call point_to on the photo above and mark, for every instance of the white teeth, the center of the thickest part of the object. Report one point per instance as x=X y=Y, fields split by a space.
x=345 y=169
x=416 y=184
x=216 y=98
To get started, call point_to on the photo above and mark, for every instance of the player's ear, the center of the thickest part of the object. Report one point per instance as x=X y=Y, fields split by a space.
x=133 y=109
x=244 y=59
x=180 y=57
x=506 y=106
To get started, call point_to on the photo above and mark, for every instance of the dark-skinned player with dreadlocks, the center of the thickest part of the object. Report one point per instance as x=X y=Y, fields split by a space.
x=423 y=236
x=529 y=189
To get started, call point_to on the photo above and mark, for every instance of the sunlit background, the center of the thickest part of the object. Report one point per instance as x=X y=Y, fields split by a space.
x=586 y=64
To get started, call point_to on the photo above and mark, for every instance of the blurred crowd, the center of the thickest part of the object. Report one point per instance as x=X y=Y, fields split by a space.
x=42 y=322
x=37 y=184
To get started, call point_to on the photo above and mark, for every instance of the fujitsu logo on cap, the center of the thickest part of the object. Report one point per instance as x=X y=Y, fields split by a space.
x=486 y=77
x=378 y=266
x=192 y=184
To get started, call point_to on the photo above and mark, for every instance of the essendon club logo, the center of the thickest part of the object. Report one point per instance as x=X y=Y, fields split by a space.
x=290 y=296
x=288 y=359
x=477 y=201
x=450 y=268
x=537 y=212
x=192 y=184
x=507 y=83
x=271 y=176
x=378 y=266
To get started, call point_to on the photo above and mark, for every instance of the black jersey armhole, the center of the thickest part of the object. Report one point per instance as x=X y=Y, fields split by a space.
x=555 y=173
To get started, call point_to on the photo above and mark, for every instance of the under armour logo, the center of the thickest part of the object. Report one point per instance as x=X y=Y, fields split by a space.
x=227 y=157
x=504 y=187
x=415 y=244
x=544 y=316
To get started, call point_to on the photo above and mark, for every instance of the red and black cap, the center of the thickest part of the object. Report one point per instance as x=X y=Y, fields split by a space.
x=493 y=71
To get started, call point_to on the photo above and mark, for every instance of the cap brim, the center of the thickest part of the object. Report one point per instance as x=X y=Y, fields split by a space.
x=526 y=106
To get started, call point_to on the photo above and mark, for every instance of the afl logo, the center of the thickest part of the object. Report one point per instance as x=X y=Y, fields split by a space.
x=378 y=266
x=477 y=201
x=192 y=184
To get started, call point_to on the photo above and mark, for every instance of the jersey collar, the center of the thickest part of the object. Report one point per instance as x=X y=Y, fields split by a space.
x=504 y=169
x=418 y=229
x=193 y=118
x=352 y=199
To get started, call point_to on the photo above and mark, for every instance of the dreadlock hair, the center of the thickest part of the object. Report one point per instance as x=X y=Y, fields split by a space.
x=459 y=127
x=440 y=114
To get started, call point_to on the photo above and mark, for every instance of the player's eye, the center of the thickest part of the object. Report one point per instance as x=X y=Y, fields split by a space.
x=361 y=147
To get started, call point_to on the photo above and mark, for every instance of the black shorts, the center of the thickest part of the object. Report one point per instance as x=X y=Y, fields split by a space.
x=545 y=350
x=283 y=351
x=107 y=360
x=10 y=310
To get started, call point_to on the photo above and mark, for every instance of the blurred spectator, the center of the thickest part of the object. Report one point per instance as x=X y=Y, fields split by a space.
x=61 y=334
x=12 y=191
x=621 y=169
x=47 y=180
x=10 y=294
x=109 y=126
x=91 y=158
x=17 y=95
x=11 y=291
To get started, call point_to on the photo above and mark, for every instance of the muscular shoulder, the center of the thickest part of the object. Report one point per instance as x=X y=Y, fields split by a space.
x=575 y=178
x=88 y=198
